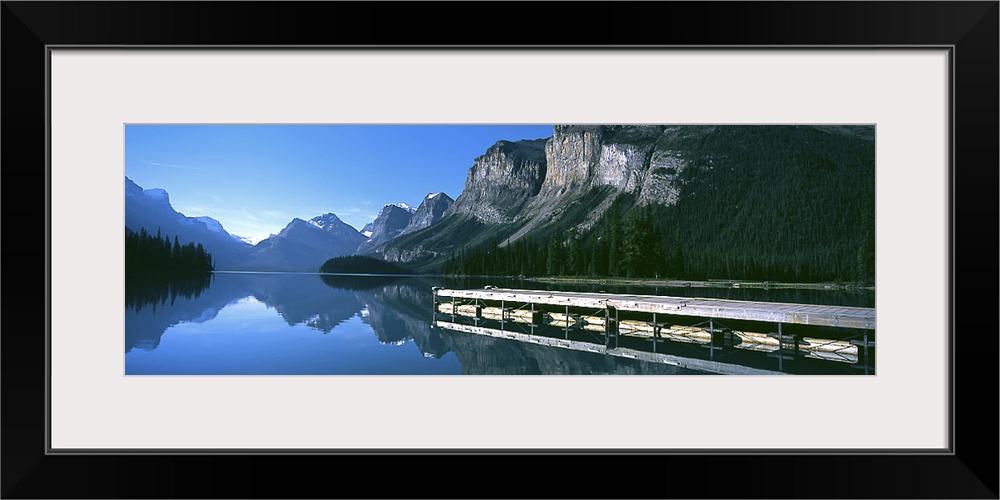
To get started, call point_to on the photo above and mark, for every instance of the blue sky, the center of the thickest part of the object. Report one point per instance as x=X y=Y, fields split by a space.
x=257 y=178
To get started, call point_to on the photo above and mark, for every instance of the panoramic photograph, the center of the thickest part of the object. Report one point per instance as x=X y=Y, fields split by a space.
x=554 y=249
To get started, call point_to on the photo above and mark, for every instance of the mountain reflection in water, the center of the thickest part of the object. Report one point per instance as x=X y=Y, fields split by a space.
x=261 y=323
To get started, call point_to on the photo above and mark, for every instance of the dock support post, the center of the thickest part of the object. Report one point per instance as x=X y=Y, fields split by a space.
x=607 y=327
x=566 y=328
x=610 y=327
x=503 y=314
x=533 y=319
x=434 y=305
x=452 y=308
x=711 y=339
x=781 y=349
x=617 y=331
x=866 y=352
x=607 y=330
x=656 y=333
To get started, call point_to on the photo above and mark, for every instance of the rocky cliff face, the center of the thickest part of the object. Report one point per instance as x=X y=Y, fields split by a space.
x=587 y=168
x=429 y=212
x=389 y=223
x=579 y=161
x=501 y=181
x=571 y=155
x=569 y=179
x=586 y=156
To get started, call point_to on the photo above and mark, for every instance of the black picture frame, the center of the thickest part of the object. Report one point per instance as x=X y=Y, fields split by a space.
x=970 y=29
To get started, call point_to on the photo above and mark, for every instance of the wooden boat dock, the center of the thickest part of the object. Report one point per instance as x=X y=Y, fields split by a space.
x=769 y=312
x=719 y=326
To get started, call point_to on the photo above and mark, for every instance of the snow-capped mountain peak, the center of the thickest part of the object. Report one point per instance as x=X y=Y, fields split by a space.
x=324 y=220
x=429 y=212
x=390 y=221
x=404 y=206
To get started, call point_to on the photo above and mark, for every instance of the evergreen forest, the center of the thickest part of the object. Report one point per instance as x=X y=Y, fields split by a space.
x=360 y=264
x=159 y=256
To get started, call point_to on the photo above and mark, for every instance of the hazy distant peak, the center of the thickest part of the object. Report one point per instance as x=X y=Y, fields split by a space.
x=244 y=239
x=213 y=225
x=156 y=194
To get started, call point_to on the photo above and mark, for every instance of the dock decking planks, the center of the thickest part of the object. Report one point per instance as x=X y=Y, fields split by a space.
x=772 y=312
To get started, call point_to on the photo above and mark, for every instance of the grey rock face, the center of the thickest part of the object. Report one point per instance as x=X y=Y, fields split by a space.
x=592 y=155
x=571 y=155
x=430 y=211
x=391 y=221
x=662 y=183
x=409 y=253
x=589 y=165
x=569 y=179
x=501 y=181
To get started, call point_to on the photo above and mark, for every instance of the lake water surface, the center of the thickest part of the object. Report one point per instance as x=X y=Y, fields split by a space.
x=308 y=324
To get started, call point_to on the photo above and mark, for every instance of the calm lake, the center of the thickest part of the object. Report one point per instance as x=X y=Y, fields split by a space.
x=308 y=324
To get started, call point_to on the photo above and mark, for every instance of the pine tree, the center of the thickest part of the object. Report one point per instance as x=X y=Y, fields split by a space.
x=573 y=256
x=677 y=256
x=552 y=260
x=614 y=243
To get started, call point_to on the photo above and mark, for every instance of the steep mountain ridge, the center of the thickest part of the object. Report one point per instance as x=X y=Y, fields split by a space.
x=520 y=188
x=501 y=181
x=392 y=219
x=702 y=181
x=430 y=211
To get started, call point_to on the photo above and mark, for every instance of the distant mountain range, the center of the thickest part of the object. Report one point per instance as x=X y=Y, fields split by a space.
x=304 y=245
x=737 y=201
x=151 y=209
x=301 y=246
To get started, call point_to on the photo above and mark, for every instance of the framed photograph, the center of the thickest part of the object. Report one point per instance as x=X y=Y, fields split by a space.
x=909 y=91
